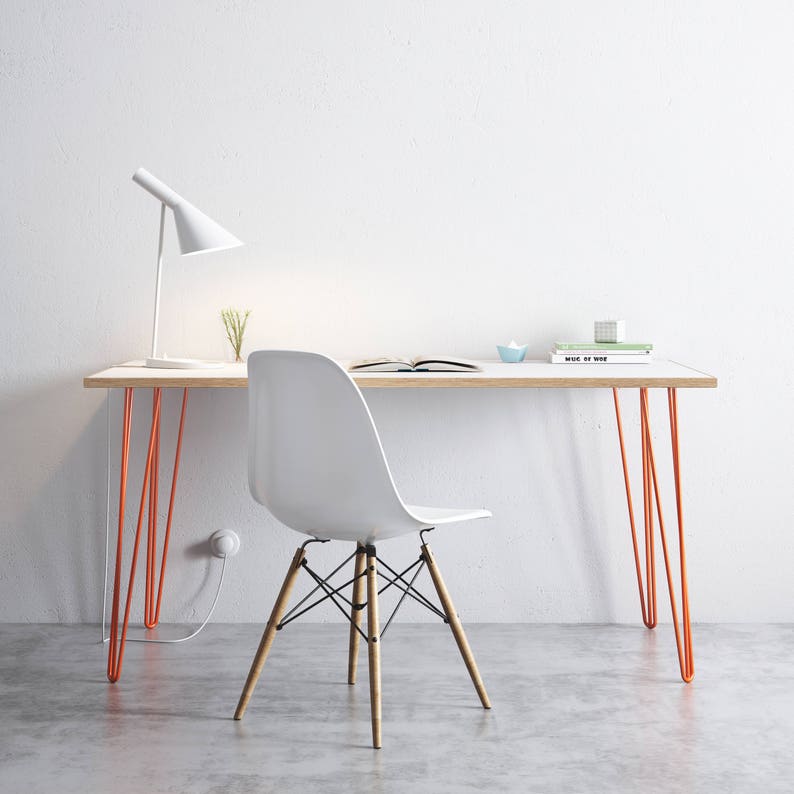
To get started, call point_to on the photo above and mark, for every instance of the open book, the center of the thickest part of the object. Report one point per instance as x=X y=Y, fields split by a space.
x=416 y=364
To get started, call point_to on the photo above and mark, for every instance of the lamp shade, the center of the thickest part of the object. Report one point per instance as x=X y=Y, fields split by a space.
x=196 y=232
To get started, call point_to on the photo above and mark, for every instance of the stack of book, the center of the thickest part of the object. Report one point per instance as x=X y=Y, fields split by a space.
x=601 y=353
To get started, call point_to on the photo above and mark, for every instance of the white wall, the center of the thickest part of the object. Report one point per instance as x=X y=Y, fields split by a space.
x=407 y=176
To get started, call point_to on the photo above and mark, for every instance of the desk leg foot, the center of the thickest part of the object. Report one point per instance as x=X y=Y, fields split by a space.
x=651 y=494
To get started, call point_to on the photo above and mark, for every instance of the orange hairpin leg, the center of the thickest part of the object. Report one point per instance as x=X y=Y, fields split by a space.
x=116 y=649
x=114 y=657
x=651 y=493
x=152 y=604
x=151 y=539
x=150 y=473
x=647 y=602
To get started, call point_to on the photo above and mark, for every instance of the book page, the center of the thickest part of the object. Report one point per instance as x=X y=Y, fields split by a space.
x=444 y=364
x=380 y=364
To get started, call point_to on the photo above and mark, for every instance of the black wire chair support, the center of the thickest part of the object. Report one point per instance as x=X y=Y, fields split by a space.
x=339 y=599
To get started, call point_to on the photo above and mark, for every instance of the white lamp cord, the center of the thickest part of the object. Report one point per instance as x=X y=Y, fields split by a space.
x=107 y=554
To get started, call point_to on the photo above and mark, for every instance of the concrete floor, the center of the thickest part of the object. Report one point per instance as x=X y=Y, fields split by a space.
x=577 y=708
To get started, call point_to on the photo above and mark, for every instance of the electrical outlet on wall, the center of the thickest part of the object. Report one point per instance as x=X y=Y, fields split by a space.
x=224 y=543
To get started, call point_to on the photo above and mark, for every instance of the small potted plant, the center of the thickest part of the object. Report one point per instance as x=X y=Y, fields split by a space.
x=234 y=321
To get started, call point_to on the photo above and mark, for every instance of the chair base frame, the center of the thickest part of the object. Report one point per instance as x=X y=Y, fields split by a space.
x=365 y=576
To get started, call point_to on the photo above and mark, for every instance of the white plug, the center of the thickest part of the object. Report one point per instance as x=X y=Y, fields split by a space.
x=224 y=543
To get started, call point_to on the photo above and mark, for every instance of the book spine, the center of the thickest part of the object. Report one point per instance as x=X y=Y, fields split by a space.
x=588 y=351
x=611 y=346
x=599 y=358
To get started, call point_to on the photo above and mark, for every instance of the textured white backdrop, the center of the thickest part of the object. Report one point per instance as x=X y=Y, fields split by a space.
x=408 y=177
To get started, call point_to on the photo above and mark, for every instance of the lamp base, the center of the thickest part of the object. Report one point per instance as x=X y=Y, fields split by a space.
x=182 y=363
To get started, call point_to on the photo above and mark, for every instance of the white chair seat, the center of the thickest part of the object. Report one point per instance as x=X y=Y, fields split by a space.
x=364 y=528
x=315 y=458
x=432 y=516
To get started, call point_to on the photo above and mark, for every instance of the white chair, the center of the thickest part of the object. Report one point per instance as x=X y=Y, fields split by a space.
x=316 y=462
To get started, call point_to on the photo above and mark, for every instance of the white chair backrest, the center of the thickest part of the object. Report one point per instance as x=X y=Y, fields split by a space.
x=315 y=458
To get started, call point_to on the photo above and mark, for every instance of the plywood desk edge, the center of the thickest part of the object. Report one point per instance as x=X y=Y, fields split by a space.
x=697 y=380
x=541 y=383
x=100 y=381
x=601 y=379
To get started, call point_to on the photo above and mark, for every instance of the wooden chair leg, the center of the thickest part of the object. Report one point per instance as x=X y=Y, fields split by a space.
x=373 y=643
x=356 y=614
x=270 y=632
x=455 y=625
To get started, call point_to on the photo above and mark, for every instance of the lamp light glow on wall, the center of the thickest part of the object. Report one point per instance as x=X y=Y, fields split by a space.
x=197 y=234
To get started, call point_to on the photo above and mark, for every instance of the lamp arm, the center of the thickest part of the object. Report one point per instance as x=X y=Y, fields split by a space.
x=158 y=189
x=159 y=280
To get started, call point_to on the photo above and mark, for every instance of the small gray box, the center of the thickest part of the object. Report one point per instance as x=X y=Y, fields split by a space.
x=610 y=330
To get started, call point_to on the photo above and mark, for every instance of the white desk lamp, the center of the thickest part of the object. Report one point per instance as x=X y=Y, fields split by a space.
x=197 y=234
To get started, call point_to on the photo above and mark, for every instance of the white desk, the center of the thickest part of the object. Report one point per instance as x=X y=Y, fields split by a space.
x=495 y=374
x=528 y=374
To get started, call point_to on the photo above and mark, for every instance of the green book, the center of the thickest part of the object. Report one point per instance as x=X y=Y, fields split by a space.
x=603 y=346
